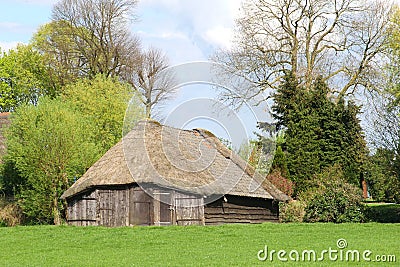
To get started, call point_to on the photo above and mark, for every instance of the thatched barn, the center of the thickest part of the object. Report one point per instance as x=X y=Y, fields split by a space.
x=159 y=175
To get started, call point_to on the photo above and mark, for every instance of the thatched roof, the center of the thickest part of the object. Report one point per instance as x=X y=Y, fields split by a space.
x=189 y=160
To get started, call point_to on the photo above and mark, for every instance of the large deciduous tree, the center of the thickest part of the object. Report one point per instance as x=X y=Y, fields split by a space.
x=23 y=78
x=340 y=41
x=49 y=145
x=55 y=41
x=152 y=79
x=91 y=36
x=104 y=102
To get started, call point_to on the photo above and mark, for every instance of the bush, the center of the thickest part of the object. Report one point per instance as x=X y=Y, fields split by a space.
x=332 y=199
x=10 y=214
x=382 y=176
x=383 y=213
x=292 y=211
x=280 y=182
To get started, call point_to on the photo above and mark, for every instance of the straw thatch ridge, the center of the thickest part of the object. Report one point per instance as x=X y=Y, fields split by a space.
x=192 y=161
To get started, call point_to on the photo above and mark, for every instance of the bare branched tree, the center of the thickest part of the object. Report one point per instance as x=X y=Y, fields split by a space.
x=340 y=40
x=382 y=122
x=99 y=30
x=152 y=79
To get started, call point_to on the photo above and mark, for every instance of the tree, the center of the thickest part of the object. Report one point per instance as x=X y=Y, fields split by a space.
x=383 y=175
x=318 y=132
x=23 y=78
x=151 y=78
x=97 y=35
x=50 y=145
x=55 y=41
x=340 y=41
x=104 y=102
x=383 y=117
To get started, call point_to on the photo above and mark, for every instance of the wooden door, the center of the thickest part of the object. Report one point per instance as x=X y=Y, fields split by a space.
x=189 y=210
x=106 y=211
x=140 y=208
x=163 y=210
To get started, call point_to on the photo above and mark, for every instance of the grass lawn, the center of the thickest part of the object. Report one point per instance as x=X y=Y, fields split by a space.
x=227 y=245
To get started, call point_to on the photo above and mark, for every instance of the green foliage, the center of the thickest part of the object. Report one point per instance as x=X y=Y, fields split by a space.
x=104 y=101
x=24 y=78
x=330 y=198
x=318 y=132
x=383 y=213
x=49 y=145
x=292 y=211
x=11 y=180
x=280 y=162
x=55 y=42
x=383 y=176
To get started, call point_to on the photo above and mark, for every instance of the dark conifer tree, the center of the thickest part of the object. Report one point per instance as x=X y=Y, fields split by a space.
x=318 y=132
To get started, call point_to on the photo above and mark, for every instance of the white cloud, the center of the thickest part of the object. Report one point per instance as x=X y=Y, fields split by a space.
x=9 y=26
x=6 y=46
x=201 y=25
x=219 y=36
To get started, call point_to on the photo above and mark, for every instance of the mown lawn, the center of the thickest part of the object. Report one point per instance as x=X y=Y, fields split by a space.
x=227 y=245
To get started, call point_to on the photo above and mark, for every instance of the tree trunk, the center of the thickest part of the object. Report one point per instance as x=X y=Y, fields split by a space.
x=56 y=212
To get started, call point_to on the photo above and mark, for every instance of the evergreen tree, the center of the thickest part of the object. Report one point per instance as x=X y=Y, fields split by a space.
x=319 y=132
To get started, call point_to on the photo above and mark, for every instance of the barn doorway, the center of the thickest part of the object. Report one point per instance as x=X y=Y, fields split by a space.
x=163 y=210
x=140 y=208
x=189 y=210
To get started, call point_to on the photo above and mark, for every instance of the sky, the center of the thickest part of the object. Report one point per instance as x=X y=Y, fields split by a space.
x=186 y=30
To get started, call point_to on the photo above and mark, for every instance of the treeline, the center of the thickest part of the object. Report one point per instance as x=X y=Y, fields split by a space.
x=68 y=92
x=69 y=88
x=322 y=60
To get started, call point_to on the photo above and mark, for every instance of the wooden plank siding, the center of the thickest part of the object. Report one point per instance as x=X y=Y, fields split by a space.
x=113 y=207
x=189 y=209
x=131 y=205
x=82 y=211
x=240 y=210
x=140 y=207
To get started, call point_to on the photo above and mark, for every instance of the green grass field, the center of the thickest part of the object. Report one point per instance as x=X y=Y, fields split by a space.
x=227 y=245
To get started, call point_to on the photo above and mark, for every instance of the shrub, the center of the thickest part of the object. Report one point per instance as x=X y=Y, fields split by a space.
x=383 y=213
x=382 y=176
x=332 y=199
x=292 y=211
x=280 y=182
x=10 y=214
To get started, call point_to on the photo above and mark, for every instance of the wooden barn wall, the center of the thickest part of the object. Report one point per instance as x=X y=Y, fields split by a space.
x=81 y=211
x=189 y=209
x=241 y=210
x=131 y=205
x=141 y=207
x=113 y=207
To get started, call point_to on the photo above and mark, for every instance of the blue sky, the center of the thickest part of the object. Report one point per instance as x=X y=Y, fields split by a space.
x=186 y=30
